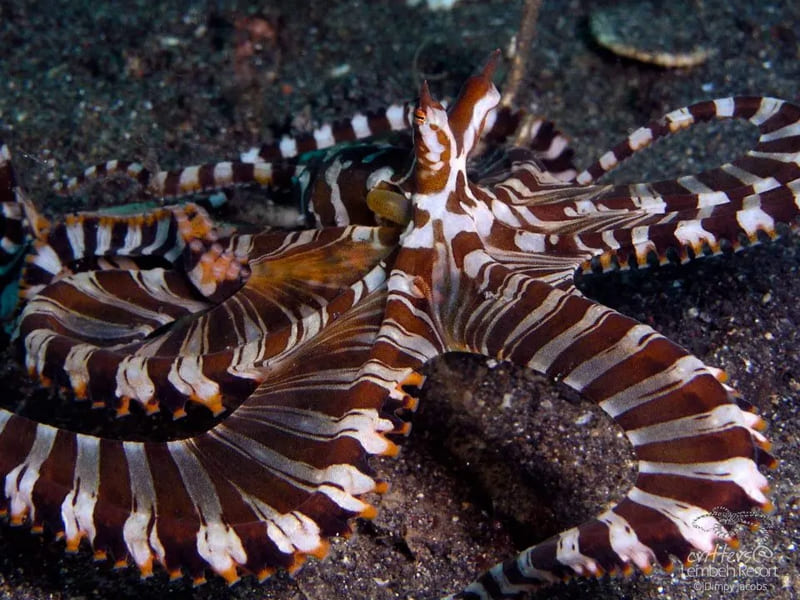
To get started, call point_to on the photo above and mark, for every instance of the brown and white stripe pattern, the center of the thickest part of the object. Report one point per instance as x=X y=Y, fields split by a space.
x=95 y=330
x=262 y=490
x=161 y=233
x=294 y=166
x=315 y=334
x=697 y=448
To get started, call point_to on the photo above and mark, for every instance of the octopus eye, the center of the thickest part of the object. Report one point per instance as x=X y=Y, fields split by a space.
x=419 y=116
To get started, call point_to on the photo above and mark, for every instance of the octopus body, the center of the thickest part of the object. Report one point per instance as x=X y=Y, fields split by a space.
x=307 y=342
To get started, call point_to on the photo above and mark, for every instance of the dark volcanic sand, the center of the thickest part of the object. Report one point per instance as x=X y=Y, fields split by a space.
x=498 y=458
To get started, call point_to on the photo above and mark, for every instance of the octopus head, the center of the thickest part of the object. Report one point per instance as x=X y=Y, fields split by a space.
x=444 y=139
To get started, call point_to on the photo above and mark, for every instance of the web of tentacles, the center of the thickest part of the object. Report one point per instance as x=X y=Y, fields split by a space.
x=322 y=330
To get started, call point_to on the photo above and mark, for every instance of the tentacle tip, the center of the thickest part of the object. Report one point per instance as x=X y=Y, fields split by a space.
x=212 y=403
x=321 y=551
x=598 y=572
x=410 y=403
x=37 y=529
x=264 y=574
x=415 y=378
x=124 y=407
x=768 y=507
x=100 y=555
x=425 y=99
x=298 y=560
x=381 y=487
x=175 y=574
x=146 y=570
x=491 y=64
x=404 y=429
x=18 y=519
x=73 y=544
x=733 y=542
x=178 y=413
x=199 y=580
x=370 y=512
x=230 y=575
x=391 y=449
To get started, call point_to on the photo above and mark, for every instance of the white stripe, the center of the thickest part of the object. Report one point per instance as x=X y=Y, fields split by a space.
x=720 y=418
x=141 y=540
x=324 y=136
x=679 y=119
x=19 y=491
x=395 y=114
x=724 y=107
x=681 y=515
x=608 y=161
x=640 y=138
x=133 y=239
x=103 y=235
x=75 y=237
x=767 y=108
x=624 y=541
x=568 y=553
x=47 y=259
x=162 y=231
x=360 y=125
x=741 y=471
x=784 y=132
x=189 y=179
x=217 y=542
x=694 y=185
x=287 y=147
x=223 y=173
x=77 y=509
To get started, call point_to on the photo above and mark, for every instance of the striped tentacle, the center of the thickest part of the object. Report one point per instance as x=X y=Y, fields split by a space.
x=776 y=120
x=356 y=184
x=679 y=236
x=726 y=206
x=397 y=117
x=537 y=135
x=502 y=124
x=271 y=165
x=196 y=179
x=78 y=330
x=260 y=491
x=697 y=449
x=462 y=282
x=81 y=240
x=636 y=224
